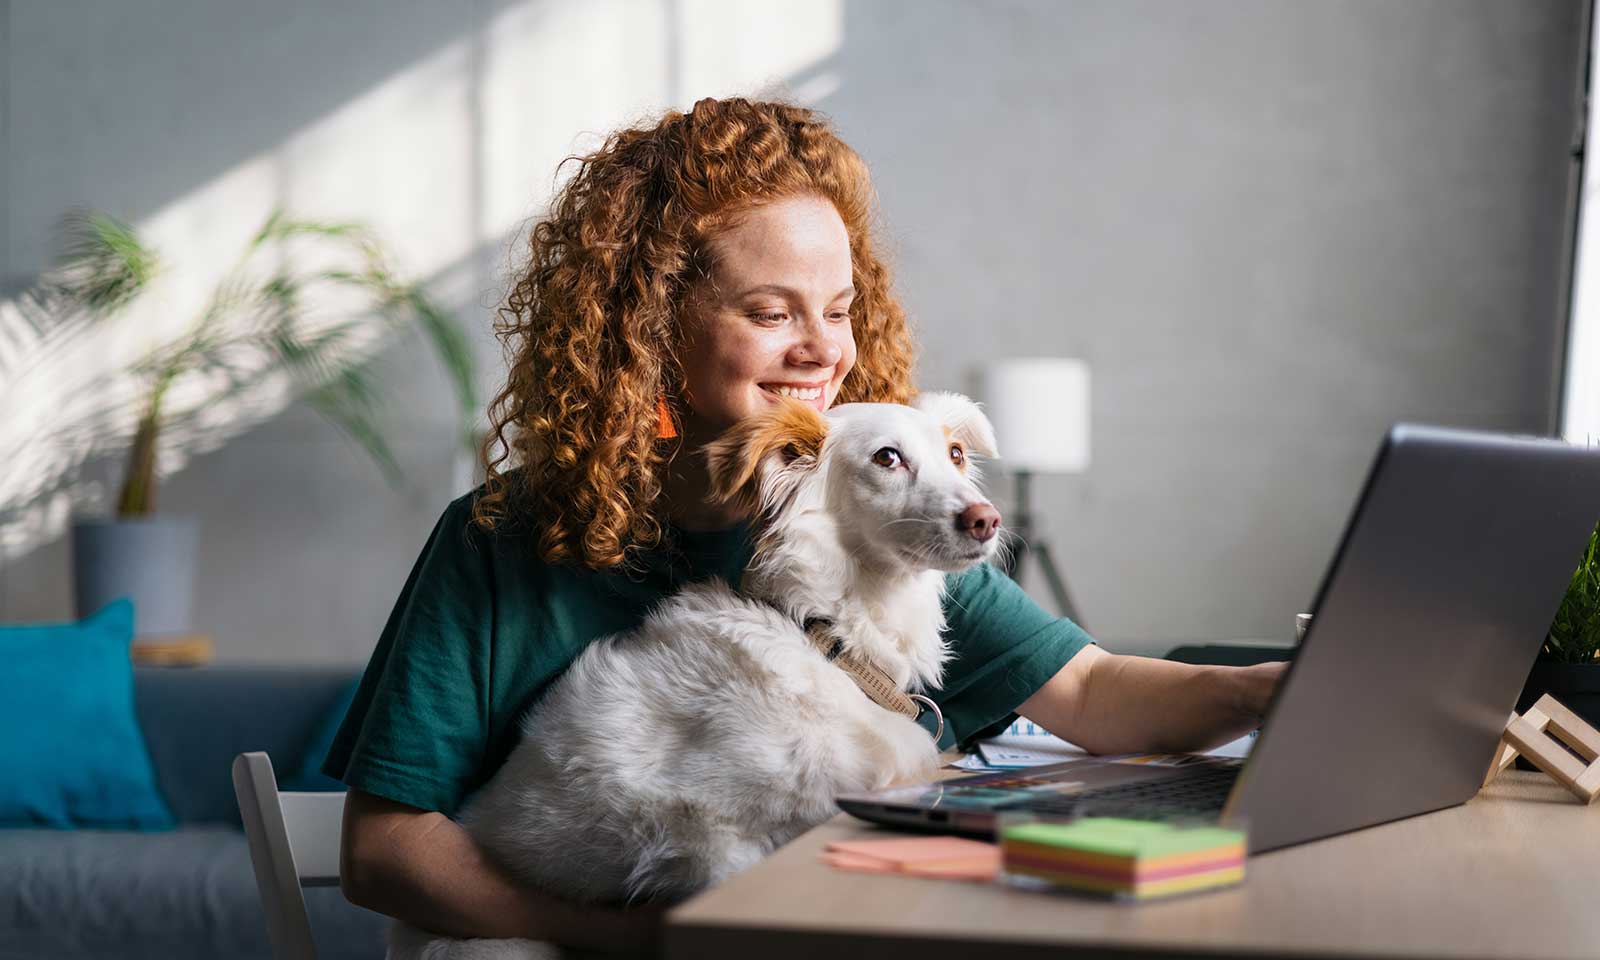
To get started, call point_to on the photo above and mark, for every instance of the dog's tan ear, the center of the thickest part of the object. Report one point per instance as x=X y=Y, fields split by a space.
x=787 y=439
x=962 y=419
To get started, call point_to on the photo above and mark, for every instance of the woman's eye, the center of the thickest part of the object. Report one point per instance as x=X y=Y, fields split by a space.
x=887 y=457
x=957 y=455
x=779 y=317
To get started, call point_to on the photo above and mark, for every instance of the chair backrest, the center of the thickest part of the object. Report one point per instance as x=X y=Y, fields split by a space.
x=294 y=843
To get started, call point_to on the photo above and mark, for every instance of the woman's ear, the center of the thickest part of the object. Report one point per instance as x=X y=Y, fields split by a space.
x=962 y=419
x=756 y=462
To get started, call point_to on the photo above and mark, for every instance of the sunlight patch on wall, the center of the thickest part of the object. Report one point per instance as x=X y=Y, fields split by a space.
x=1580 y=418
x=447 y=160
x=1580 y=402
x=558 y=80
x=729 y=46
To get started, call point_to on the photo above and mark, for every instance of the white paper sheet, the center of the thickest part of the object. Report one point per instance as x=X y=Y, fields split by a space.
x=1025 y=744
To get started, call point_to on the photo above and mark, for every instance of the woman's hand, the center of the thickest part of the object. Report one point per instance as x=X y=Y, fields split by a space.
x=425 y=869
x=1115 y=703
x=1256 y=686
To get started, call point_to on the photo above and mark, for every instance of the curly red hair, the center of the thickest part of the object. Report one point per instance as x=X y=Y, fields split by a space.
x=591 y=330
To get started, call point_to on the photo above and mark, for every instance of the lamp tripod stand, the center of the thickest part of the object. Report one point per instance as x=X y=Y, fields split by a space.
x=1025 y=545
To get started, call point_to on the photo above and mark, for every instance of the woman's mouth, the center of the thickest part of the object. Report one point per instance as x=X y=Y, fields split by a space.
x=814 y=394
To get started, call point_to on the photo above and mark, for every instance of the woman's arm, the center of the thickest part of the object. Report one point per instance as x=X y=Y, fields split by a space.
x=1111 y=703
x=423 y=868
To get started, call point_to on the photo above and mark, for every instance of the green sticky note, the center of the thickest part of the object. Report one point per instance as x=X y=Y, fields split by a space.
x=1123 y=838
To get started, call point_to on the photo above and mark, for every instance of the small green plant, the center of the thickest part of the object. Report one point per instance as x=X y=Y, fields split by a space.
x=252 y=326
x=1575 y=633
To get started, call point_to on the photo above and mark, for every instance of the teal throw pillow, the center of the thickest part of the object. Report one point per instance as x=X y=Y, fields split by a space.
x=308 y=775
x=71 y=751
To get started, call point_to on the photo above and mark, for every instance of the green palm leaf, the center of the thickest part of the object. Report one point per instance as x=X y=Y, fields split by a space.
x=450 y=344
x=252 y=328
x=350 y=402
x=105 y=264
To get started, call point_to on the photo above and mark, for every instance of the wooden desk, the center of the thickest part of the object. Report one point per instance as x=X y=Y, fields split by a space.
x=1513 y=873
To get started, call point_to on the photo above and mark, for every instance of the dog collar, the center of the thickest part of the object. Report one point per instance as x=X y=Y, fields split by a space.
x=872 y=681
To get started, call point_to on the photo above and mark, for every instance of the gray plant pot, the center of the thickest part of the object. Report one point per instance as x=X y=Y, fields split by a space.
x=151 y=560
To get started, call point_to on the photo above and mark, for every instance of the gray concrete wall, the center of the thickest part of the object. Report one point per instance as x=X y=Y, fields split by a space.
x=1271 y=229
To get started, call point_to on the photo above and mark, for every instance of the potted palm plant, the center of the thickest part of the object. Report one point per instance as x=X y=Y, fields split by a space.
x=254 y=327
x=1568 y=665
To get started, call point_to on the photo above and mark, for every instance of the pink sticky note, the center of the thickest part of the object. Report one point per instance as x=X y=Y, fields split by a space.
x=849 y=861
x=905 y=850
x=976 y=870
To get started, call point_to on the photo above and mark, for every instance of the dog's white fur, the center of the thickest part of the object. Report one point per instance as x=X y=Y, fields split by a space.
x=673 y=755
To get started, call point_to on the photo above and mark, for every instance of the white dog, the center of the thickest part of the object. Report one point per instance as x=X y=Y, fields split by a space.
x=673 y=755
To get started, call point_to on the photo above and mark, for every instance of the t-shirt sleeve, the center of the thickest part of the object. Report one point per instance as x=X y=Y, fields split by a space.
x=418 y=728
x=1003 y=648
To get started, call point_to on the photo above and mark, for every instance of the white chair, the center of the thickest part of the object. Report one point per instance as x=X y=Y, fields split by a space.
x=294 y=843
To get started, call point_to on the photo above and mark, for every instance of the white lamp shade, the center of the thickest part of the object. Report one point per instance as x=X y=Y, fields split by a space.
x=1040 y=411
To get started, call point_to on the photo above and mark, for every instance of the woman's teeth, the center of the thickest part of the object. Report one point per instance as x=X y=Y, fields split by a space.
x=799 y=393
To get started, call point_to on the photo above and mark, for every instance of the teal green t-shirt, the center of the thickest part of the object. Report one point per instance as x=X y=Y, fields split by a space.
x=483 y=626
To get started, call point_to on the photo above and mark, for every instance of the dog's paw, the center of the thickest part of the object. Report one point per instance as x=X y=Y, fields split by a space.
x=914 y=757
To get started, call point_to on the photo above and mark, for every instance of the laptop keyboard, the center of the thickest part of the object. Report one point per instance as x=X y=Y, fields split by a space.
x=1201 y=794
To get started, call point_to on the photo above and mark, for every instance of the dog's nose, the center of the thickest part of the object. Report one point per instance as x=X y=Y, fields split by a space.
x=979 y=521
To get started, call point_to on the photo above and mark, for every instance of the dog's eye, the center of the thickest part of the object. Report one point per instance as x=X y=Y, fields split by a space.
x=958 y=456
x=887 y=457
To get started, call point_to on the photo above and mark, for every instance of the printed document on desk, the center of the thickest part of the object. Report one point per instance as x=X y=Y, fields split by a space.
x=1026 y=744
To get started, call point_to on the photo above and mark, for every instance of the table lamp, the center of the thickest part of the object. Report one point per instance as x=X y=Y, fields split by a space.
x=1040 y=411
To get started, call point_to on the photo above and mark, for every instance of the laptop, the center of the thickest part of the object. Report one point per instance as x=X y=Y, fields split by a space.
x=1444 y=584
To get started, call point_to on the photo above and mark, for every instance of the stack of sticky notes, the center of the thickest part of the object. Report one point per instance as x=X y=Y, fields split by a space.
x=951 y=858
x=1136 y=859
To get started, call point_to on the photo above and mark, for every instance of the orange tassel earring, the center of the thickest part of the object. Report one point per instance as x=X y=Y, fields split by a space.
x=665 y=428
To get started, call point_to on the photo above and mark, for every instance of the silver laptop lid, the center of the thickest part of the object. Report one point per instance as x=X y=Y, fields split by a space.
x=1447 y=577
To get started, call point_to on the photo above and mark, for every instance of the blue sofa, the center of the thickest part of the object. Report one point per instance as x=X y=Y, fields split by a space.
x=187 y=892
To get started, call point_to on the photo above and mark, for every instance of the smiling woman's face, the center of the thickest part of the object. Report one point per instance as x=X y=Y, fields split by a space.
x=775 y=318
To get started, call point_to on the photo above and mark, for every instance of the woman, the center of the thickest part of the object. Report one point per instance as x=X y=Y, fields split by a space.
x=688 y=275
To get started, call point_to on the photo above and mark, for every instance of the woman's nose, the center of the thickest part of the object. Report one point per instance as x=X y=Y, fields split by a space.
x=814 y=345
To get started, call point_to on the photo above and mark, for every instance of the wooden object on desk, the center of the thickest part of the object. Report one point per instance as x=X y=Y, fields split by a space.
x=1539 y=735
x=1510 y=873
x=174 y=650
